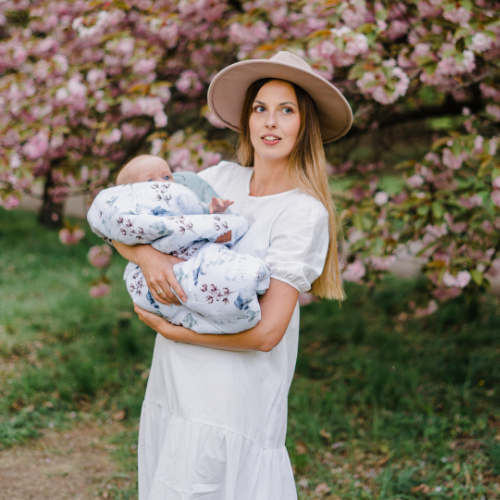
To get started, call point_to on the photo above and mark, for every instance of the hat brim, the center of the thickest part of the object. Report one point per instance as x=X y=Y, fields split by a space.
x=226 y=94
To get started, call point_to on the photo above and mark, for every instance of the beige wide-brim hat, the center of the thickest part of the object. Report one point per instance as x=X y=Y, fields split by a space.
x=226 y=93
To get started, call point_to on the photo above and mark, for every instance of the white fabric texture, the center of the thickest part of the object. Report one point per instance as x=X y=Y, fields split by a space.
x=213 y=422
x=221 y=285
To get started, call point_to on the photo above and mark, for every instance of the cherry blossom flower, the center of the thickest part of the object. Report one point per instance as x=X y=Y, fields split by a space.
x=15 y=161
x=425 y=9
x=490 y=92
x=382 y=263
x=209 y=159
x=451 y=66
x=436 y=231
x=100 y=290
x=179 y=159
x=478 y=144
x=156 y=146
x=144 y=66
x=378 y=91
x=189 y=83
x=492 y=150
x=114 y=136
x=431 y=308
x=381 y=198
x=456 y=227
x=460 y=16
x=461 y=280
x=495 y=197
x=37 y=145
x=100 y=256
x=415 y=181
x=71 y=236
x=472 y=201
x=10 y=203
x=452 y=161
x=95 y=75
x=494 y=111
x=355 y=15
x=354 y=271
x=481 y=42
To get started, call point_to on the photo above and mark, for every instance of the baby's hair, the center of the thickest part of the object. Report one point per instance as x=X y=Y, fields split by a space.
x=123 y=176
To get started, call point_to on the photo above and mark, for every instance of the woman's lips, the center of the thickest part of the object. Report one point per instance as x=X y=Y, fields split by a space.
x=269 y=142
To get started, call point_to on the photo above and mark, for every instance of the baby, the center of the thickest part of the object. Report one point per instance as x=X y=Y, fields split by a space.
x=180 y=214
x=153 y=168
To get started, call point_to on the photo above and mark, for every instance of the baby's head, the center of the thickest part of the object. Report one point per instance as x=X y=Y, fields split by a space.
x=145 y=168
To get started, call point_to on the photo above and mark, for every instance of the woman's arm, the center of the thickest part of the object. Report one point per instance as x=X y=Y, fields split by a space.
x=157 y=268
x=276 y=305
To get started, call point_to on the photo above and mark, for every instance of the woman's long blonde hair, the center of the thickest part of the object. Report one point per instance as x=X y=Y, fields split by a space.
x=307 y=171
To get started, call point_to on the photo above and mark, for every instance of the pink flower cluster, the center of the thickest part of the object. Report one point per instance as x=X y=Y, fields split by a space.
x=99 y=290
x=149 y=106
x=452 y=161
x=375 y=84
x=10 y=203
x=461 y=280
x=71 y=236
x=100 y=256
x=354 y=271
x=189 y=83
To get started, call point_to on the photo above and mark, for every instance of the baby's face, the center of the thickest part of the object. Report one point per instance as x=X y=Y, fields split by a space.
x=152 y=172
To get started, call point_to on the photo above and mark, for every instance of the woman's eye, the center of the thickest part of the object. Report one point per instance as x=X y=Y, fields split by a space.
x=259 y=109
x=167 y=177
x=287 y=111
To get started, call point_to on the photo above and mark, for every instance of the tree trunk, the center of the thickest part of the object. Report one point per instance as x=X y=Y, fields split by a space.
x=50 y=214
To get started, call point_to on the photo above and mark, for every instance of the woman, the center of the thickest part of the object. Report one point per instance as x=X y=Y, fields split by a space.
x=214 y=417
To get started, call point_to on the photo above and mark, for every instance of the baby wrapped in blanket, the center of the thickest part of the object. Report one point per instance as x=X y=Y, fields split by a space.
x=180 y=214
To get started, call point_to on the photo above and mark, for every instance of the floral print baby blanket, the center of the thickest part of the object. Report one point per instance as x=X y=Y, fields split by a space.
x=221 y=285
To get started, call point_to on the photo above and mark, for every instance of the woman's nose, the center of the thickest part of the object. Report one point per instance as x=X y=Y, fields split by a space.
x=271 y=122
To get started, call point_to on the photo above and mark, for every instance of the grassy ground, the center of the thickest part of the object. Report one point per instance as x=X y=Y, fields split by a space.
x=379 y=408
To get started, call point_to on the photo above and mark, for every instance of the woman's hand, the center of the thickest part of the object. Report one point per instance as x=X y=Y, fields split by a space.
x=157 y=269
x=155 y=322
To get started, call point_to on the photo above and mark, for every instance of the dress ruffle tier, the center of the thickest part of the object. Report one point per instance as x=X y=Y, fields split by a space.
x=182 y=459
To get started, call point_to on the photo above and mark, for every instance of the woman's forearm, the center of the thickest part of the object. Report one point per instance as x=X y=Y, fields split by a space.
x=127 y=251
x=249 y=340
x=137 y=253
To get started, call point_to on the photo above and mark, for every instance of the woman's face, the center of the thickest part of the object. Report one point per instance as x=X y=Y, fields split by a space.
x=274 y=121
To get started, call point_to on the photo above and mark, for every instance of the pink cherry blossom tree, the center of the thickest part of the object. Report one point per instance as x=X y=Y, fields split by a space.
x=85 y=86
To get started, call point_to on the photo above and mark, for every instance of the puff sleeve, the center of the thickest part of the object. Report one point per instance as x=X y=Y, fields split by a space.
x=299 y=243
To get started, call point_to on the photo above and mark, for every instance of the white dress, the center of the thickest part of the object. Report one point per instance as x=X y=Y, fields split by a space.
x=213 y=422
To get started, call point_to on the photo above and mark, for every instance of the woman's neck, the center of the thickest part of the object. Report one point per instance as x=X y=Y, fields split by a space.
x=269 y=177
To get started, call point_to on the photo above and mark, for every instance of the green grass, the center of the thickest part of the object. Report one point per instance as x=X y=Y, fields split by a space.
x=379 y=407
x=406 y=403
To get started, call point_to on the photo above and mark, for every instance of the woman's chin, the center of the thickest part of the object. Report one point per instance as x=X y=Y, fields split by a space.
x=270 y=154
